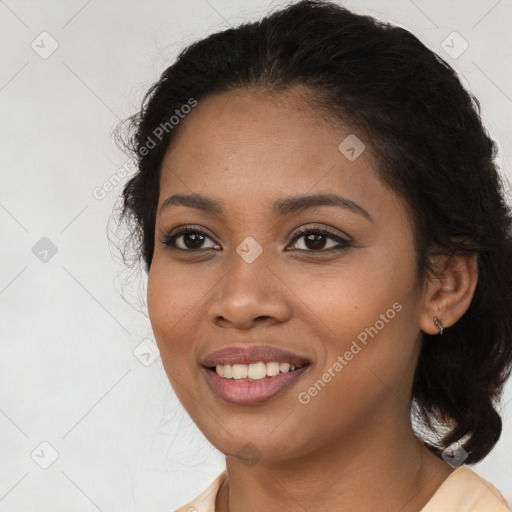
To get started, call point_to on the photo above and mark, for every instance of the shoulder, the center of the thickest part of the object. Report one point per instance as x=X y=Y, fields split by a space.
x=466 y=491
x=205 y=502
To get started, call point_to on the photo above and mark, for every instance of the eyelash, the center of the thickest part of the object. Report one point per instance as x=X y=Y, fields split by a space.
x=170 y=239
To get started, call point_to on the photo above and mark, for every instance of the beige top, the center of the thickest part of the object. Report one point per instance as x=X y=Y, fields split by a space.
x=463 y=491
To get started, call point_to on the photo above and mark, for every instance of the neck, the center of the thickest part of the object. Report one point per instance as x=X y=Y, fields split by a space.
x=379 y=468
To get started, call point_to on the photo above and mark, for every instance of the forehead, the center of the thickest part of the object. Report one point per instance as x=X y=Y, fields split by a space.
x=247 y=148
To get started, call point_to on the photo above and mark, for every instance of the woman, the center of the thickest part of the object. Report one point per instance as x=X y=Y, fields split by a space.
x=329 y=261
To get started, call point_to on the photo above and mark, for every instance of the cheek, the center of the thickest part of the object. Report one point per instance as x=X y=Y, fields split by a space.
x=174 y=294
x=172 y=307
x=162 y=303
x=348 y=298
x=367 y=368
x=173 y=313
x=368 y=314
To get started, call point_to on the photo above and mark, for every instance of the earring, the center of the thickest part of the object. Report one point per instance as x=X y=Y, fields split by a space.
x=438 y=324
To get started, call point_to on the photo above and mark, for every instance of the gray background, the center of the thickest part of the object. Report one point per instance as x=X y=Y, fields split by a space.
x=75 y=367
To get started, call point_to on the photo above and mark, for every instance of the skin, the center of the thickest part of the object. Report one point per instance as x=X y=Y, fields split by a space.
x=352 y=446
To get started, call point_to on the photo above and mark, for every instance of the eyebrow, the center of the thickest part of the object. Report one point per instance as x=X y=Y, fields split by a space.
x=280 y=208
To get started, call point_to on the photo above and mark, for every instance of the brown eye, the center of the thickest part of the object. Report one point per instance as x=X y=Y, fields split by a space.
x=188 y=240
x=193 y=240
x=315 y=240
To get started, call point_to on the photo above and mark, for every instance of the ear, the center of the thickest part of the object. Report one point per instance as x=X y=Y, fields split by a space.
x=449 y=295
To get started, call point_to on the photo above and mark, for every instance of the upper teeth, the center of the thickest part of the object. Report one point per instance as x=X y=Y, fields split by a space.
x=253 y=371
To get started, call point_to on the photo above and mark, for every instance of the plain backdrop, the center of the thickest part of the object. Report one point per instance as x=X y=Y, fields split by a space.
x=88 y=420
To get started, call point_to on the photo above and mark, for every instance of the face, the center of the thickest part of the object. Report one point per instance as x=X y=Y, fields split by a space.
x=332 y=284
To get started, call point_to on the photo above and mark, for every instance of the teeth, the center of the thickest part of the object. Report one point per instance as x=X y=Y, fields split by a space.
x=273 y=368
x=227 y=371
x=253 y=371
x=240 y=371
x=257 y=371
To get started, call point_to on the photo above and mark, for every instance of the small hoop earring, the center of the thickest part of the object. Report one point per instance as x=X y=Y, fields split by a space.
x=438 y=324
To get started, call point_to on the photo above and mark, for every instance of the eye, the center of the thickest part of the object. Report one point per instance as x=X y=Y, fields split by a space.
x=191 y=239
x=315 y=240
x=187 y=239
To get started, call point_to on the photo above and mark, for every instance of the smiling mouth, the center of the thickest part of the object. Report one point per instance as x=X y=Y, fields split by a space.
x=255 y=371
x=253 y=388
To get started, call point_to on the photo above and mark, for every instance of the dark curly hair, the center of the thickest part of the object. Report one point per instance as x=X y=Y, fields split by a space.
x=432 y=150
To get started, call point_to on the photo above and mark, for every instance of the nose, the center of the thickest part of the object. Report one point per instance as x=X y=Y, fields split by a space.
x=250 y=293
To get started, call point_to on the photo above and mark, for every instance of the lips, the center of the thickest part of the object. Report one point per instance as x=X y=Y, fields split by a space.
x=252 y=354
x=247 y=392
x=250 y=393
